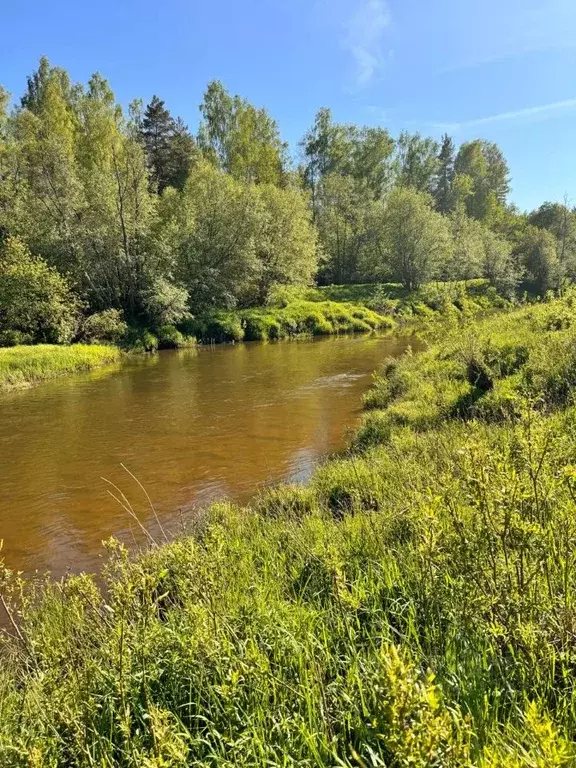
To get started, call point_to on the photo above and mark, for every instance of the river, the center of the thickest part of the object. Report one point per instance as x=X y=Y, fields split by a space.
x=192 y=426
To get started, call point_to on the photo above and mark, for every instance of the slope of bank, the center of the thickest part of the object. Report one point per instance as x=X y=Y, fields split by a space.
x=413 y=606
x=346 y=309
x=23 y=366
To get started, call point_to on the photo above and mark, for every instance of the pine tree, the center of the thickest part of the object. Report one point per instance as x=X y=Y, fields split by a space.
x=443 y=186
x=156 y=132
x=183 y=154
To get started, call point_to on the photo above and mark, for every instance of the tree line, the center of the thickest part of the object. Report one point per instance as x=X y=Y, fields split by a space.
x=110 y=215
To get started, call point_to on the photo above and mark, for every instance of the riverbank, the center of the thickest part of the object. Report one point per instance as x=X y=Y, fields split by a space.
x=413 y=605
x=24 y=366
x=339 y=309
x=328 y=310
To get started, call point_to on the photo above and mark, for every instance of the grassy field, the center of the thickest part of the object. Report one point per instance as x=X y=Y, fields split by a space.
x=24 y=366
x=414 y=605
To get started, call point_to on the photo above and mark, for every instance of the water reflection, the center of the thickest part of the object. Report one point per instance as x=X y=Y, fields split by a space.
x=192 y=426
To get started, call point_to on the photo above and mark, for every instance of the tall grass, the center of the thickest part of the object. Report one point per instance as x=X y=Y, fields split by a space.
x=23 y=366
x=414 y=605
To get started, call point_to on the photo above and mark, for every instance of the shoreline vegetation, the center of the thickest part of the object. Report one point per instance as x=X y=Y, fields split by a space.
x=24 y=366
x=412 y=605
x=297 y=313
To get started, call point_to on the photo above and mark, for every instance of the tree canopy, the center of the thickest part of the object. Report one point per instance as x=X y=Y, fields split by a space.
x=125 y=210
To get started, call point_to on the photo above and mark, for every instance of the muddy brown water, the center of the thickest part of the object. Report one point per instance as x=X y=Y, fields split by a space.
x=193 y=426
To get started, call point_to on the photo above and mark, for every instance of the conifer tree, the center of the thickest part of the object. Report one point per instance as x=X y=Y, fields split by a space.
x=443 y=186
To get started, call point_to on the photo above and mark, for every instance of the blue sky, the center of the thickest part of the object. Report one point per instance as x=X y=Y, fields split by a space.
x=499 y=69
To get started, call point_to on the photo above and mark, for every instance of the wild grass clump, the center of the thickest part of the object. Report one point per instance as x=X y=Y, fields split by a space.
x=23 y=366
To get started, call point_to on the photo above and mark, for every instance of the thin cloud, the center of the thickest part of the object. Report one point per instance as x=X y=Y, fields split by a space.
x=364 y=38
x=541 y=112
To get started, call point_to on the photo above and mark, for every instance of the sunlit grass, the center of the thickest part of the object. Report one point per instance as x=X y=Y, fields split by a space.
x=26 y=365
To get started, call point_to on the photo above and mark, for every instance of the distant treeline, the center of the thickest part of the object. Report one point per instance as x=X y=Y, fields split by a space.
x=132 y=216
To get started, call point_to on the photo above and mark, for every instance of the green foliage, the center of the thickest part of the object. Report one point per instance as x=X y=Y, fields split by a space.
x=166 y=303
x=170 y=149
x=412 y=241
x=483 y=163
x=537 y=253
x=105 y=326
x=234 y=242
x=297 y=317
x=417 y=162
x=169 y=337
x=242 y=140
x=14 y=338
x=34 y=298
x=136 y=217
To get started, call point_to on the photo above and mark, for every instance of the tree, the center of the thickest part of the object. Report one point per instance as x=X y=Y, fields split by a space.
x=416 y=161
x=156 y=132
x=183 y=154
x=170 y=149
x=342 y=221
x=39 y=83
x=412 y=241
x=484 y=163
x=371 y=162
x=467 y=251
x=48 y=199
x=498 y=264
x=560 y=221
x=118 y=263
x=6 y=165
x=364 y=153
x=323 y=147
x=34 y=298
x=210 y=228
x=443 y=196
x=286 y=241
x=240 y=139
x=537 y=252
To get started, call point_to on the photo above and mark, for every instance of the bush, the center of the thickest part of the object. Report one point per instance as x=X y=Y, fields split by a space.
x=108 y=325
x=169 y=337
x=35 y=298
x=140 y=340
x=14 y=338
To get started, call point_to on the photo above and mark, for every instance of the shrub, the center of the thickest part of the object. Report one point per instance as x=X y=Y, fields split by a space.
x=14 y=338
x=215 y=329
x=140 y=340
x=35 y=298
x=108 y=325
x=169 y=337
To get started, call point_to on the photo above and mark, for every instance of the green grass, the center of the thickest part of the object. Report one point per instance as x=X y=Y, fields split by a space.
x=297 y=318
x=348 y=309
x=24 y=366
x=414 y=605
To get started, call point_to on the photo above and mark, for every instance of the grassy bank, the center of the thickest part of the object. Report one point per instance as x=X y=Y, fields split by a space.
x=414 y=605
x=346 y=309
x=23 y=366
